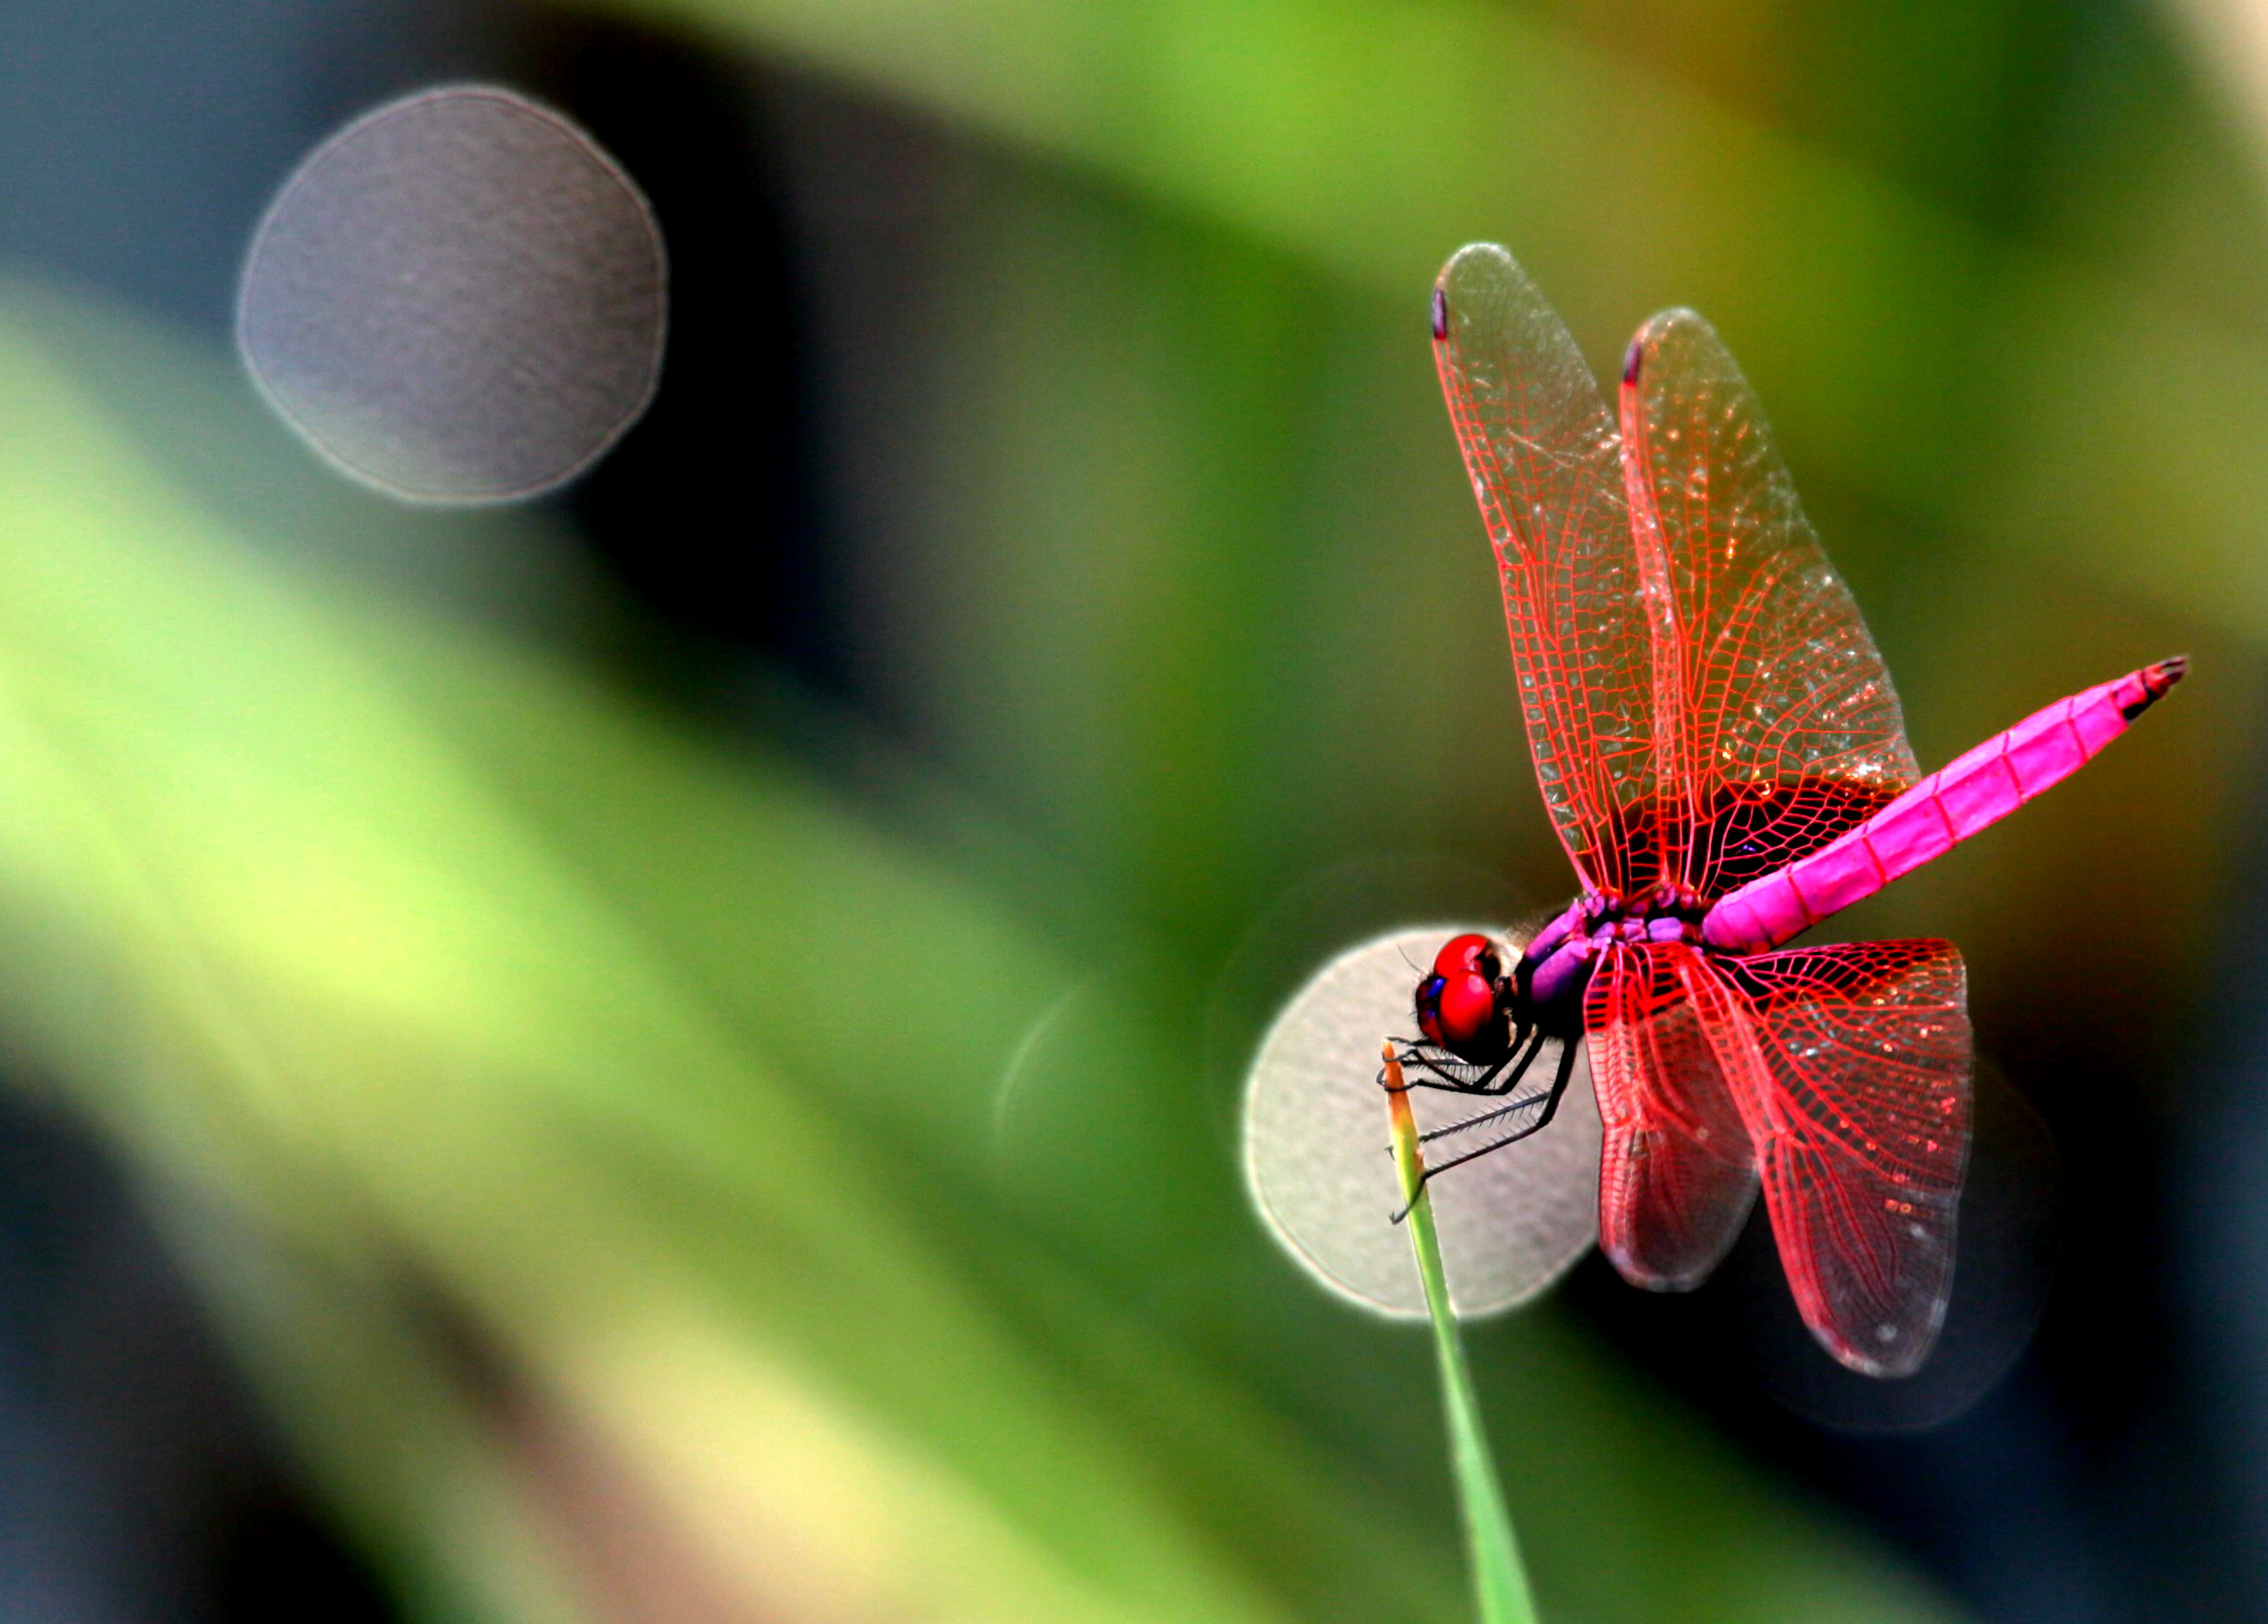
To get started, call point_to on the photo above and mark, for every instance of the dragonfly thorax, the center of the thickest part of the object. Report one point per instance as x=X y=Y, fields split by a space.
x=1469 y=1005
x=1557 y=963
x=1658 y=915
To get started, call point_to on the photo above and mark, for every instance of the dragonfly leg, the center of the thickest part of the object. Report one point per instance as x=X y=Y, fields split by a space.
x=1494 y=1114
x=1542 y=1118
x=1413 y=1053
x=1541 y=1097
x=1496 y=1079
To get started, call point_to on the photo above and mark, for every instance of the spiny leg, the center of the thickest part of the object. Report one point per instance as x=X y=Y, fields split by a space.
x=1492 y=1080
x=1482 y=1119
x=1495 y=1114
x=1416 y=1053
x=1542 y=1120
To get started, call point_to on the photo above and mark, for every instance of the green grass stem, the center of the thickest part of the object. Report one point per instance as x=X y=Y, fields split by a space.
x=1499 y=1581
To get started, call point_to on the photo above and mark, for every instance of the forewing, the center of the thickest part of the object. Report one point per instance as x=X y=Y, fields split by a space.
x=1676 y=1172
x=1545 y=466
x=1777 y=726
x=1850 y=1065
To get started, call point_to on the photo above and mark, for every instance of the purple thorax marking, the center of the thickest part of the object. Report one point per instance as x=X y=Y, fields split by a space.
x=1556 y=969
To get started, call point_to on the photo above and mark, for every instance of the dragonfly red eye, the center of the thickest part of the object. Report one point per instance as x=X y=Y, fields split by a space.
x=1457 y=1003
x=1469 y=954
x=1463 y=1008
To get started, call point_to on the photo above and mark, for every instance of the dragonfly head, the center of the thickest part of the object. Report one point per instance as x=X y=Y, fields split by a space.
x=1465 y=1001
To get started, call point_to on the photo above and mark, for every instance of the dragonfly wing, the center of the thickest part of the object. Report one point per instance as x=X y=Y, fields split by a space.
x=1850 y=1065
x=1776 y=725
x=1545 y=465
x=1677 y=1171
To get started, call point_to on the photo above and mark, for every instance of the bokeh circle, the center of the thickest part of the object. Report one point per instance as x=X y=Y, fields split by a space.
x=458 y=297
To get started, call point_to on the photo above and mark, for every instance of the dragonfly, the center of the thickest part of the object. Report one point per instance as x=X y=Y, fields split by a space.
x=1721 y=753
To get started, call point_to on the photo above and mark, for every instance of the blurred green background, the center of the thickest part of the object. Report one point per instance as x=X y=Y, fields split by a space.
x=673 y=1055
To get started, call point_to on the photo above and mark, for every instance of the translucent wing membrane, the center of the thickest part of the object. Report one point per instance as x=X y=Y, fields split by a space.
x=1542 y=455
x=1316 y=1149
x=1851 y=1065
x=2009 y=1244
x=1677 y=1174
x=1701 y=694
x=1776 y=725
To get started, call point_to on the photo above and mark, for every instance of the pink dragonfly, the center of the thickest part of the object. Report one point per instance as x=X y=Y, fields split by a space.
x=1722 y=755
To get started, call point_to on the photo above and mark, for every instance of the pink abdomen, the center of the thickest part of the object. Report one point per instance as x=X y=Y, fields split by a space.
x=1950 y=805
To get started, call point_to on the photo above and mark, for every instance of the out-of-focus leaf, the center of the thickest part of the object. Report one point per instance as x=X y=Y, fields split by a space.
x=336 y=972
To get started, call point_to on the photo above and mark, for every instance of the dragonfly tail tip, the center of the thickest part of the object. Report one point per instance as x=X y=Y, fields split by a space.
x=2152 y=682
